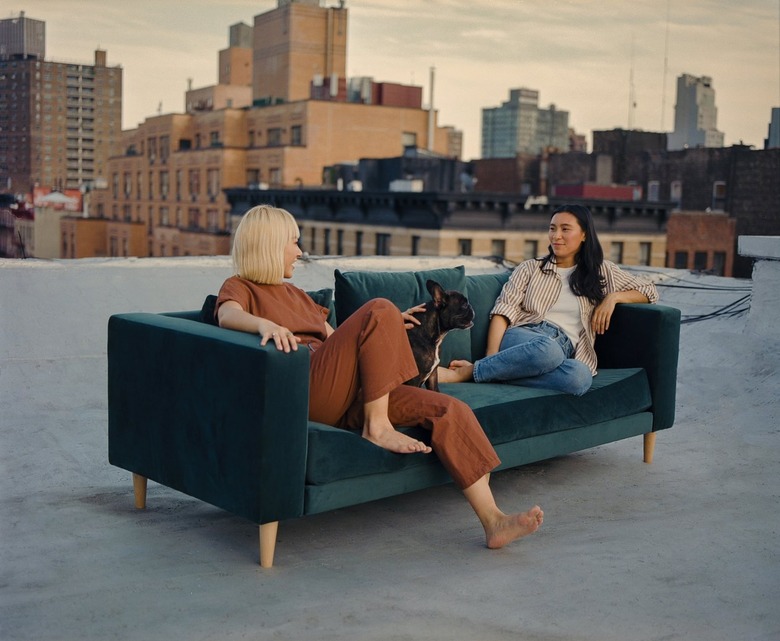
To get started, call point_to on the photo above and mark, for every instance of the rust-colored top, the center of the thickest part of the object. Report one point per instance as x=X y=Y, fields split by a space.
x=284 y=304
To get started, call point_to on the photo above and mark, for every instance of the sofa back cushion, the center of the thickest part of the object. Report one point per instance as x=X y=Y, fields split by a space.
x=323 y=297
x=404 y=289
x=482 y=291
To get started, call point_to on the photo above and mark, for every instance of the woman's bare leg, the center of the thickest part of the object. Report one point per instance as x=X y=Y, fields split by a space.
x=500 y=528
x=378 y=429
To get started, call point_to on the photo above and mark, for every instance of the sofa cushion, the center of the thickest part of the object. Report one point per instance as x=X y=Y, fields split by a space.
x=323 y=297
x=482 y=291
x=336 y=454
x=511 y=412
x=404 y=289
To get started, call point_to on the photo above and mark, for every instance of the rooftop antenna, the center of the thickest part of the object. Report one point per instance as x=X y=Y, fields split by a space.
x=631 y=90
x=666 y=66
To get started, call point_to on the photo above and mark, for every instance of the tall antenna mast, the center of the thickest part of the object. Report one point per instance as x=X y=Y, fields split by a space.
x=666 y=66
x=631 y=90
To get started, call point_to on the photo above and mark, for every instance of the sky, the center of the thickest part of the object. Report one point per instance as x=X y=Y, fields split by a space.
x=587 y=57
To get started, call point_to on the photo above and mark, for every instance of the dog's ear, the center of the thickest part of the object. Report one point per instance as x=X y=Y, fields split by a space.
x=437 y=293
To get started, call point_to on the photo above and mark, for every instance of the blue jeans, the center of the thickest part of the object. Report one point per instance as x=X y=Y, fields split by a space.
x=537 y=355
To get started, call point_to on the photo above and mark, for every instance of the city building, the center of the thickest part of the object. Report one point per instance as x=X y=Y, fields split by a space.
x=702 y=241
x=519 y=125
x=59 y=122
x=164 y=192
x=429 y=223
x=695 y=114
x=772 y=140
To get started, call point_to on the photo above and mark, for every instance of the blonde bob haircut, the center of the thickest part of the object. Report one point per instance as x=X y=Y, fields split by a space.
x=259 y=244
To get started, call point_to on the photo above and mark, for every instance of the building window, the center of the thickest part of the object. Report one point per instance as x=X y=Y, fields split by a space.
x=719 y=263
x=194 y=183
x=681 y=260
x=212 y=220
x=212 y=182
x=530 y=249
x=164 y=216
x=274 y=137
x=214 y=139
x=163 y=185
x=498 y=247
x=253 y=178
x=313 y=240
x=178 y=184
x=296 y=135
x=340 y=242
x=719 y=195
x=700 y=261
x=382 y=245
x=194 y=218
x=358 y=243
x=251 y=138
x=464 y=246
x=644 y=253
x=408 y=139
x=415 y=245
x=616 y=252
x=275 y=177
x=151 y=185
x=675 y=193
x=326 y=242
x=165 y=148
x=653 y=191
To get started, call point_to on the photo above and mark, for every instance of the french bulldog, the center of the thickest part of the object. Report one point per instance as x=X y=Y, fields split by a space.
x=447 y=310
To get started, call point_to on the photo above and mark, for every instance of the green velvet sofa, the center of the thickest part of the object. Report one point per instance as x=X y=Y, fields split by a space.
x=209 y=412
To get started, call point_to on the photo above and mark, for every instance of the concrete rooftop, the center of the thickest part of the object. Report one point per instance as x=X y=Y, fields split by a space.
x=685 y=548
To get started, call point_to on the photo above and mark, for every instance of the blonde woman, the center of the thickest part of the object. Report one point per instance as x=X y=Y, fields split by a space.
x=357 y=371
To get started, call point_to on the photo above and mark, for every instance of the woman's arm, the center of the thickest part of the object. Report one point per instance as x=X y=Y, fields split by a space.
x=232 y=316
x=603 y=312
x=496 y=329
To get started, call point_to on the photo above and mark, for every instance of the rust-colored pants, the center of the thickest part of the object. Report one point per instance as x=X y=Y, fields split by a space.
x=369 y=356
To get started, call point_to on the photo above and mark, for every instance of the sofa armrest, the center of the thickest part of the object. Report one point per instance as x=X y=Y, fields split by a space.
x=648 y=336
x=209 y=412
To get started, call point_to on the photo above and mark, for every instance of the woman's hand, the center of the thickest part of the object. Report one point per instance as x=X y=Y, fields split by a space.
x=282 y=337
x=599 y=321
x=409 y=320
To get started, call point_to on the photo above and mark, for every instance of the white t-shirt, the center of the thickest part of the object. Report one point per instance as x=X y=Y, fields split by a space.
x=565 y=313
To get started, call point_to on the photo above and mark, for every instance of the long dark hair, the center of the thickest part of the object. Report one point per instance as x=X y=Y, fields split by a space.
x=586 y=279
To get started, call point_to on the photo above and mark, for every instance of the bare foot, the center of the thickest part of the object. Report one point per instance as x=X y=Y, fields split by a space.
x=387 y=437
x=513 y=526
x=458 y=372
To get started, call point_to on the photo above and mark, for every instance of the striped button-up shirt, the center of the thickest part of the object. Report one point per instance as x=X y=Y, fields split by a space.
x=532 y=290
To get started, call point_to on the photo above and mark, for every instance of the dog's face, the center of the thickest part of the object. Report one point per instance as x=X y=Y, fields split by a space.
x=455 y=311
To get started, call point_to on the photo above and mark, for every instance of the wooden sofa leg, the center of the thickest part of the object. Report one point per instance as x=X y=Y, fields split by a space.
x=268 y=543
x=649 y=446
x=139 y=489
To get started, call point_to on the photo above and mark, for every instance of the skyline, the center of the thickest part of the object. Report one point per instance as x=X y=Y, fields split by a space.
x=583 y=57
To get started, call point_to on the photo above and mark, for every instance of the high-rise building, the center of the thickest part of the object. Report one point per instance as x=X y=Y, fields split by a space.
x=296 y=42
x=59 y=122
x=695 y=114
x=772 y=140
x=520 y=126
x=22 y=38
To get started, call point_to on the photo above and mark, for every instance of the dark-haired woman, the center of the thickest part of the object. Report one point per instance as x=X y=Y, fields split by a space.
x=544 y=323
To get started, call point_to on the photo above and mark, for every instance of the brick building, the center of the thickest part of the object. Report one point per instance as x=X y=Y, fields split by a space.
x=59 y=122
x=169 y=178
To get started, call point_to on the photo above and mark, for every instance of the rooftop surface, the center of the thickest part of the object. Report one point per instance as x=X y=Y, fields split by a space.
x=685 y=548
